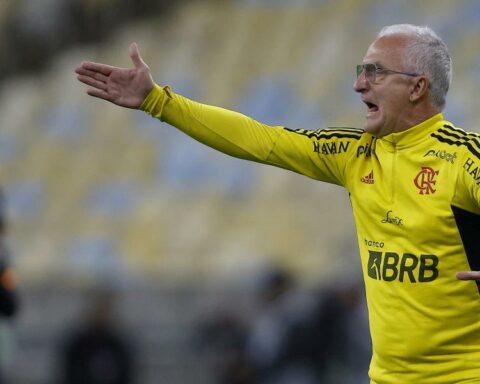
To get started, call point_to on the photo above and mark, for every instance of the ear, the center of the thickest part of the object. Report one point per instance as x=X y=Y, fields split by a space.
x=419 y=88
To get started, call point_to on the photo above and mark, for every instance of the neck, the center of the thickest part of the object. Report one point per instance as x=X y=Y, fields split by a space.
x=418 y=115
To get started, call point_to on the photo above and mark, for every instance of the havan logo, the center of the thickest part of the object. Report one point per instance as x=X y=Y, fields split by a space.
x=330 y=148
x=472 y=170
x=425 y=180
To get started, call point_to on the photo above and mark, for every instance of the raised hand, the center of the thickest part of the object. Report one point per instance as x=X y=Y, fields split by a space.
x=121 y=86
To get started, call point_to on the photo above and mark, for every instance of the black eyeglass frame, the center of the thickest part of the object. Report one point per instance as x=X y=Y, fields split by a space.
x=372 y=69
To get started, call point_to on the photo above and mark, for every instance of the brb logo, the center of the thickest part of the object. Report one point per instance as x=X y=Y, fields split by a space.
x=425 y=180
x=389 y=266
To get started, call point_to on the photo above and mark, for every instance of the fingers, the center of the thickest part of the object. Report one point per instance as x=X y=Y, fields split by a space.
x=94 y=75
x=134 y=53
x=96 y=67
x=92 y=82
x=468 y=275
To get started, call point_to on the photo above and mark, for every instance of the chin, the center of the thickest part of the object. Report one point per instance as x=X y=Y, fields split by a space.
x=372 y=127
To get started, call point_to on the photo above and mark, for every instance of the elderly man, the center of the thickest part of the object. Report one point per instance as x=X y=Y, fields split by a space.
x=413 y=179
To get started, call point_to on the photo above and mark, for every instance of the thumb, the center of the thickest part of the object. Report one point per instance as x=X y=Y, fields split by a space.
x=135 y=56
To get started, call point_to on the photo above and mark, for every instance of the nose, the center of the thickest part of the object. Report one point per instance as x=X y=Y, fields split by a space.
x=361 y=84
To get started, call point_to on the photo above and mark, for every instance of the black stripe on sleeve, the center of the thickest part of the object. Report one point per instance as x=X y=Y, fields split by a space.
x=458 y=142
x=327 y=133
x=461 y=134
x=343 y=129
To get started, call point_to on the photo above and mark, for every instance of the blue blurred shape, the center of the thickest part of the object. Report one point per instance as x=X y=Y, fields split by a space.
x=25 y=198
x=65 y=122
x=270 y=100
x=456 y=112
x=96 y=256
x=390 y=12
x=187 y=165
x=9 y=146
x=113 y=199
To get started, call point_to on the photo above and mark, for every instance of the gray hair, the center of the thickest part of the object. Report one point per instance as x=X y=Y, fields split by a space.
x=427 y=55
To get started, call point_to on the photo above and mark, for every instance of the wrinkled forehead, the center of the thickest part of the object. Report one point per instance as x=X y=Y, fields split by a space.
x=388 y=50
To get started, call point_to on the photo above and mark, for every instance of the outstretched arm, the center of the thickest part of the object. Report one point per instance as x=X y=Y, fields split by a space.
x=227 y=131
x=121 y=86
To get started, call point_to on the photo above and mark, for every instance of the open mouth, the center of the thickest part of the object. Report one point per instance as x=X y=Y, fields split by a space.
x=371 y=107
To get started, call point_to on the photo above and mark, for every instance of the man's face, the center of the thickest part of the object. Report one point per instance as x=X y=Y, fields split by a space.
x=388 y=97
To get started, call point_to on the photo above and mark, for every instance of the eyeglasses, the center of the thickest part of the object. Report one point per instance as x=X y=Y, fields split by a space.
x=372 y=70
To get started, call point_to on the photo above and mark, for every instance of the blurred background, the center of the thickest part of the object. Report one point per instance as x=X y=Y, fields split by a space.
x=144 y=257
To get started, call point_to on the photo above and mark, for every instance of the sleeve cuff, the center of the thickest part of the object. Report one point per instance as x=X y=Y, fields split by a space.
x=156 y=101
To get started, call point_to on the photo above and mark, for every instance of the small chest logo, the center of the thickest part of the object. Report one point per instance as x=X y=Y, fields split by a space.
x=392 y=219
x=442 y=155
x=368 y=179
x=425 y=180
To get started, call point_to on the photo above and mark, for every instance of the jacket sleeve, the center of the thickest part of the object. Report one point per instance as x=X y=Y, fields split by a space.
x=467 y=191
x=321 y=155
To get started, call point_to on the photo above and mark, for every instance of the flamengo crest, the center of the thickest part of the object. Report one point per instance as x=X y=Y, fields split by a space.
x=425 y=180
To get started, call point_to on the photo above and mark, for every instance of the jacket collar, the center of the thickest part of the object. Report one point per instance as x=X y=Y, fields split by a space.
x=413 y=135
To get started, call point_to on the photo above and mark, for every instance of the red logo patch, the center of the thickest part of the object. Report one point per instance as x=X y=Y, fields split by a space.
x=425 y=180
x=368 y=179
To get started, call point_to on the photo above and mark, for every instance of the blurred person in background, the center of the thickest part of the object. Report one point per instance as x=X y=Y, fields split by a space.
x=414 y=183
x=223 y=334
x=339 y=331
x=294 y=336
x=8 y=294
x=96 y=351
x=9 y=301
x=275 y=344
x=279 y=346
